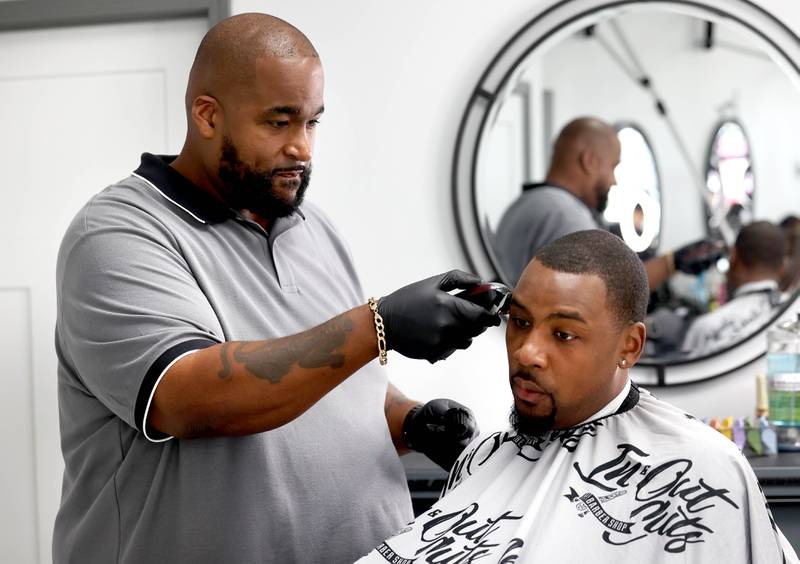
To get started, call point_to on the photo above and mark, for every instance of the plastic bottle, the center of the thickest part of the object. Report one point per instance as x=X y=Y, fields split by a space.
x=783 y=382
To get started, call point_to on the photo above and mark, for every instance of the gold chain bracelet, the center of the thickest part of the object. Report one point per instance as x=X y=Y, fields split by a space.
x=379 y=330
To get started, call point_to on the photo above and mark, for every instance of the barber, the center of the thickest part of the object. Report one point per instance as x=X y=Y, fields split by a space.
x=218 y=392
x=572 y=198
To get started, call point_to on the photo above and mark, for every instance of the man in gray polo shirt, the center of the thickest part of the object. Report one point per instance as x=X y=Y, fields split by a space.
x=571 y=199
x=218 y=391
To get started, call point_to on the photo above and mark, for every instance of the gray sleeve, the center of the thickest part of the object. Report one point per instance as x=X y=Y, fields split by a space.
x=128 y=306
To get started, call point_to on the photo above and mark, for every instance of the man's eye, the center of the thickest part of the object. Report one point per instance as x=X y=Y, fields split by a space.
x=278 y=123
x=563 y=336
x=312 y=124
x=521 y=323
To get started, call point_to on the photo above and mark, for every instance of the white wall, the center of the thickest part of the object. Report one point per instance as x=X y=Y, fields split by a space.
x=398 y=80
x=79 y=104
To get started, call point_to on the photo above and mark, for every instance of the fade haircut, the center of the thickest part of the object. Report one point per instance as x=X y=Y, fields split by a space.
x=761 y=246
x=605 y=255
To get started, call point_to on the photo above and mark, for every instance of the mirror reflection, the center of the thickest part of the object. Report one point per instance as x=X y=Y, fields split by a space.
x=729 y=177
x=657 y=125
x=634 y=202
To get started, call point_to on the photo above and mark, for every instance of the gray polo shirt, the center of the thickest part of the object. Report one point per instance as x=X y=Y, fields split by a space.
x=541 y=214
x=152 y=269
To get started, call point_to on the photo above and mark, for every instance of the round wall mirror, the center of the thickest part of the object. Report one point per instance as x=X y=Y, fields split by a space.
x=669 y=75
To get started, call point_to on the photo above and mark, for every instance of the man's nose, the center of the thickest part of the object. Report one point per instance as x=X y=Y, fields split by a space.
x=532 y=353
x=299 y=147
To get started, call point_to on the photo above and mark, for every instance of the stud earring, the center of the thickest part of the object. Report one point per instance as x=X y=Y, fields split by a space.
x=623 y=363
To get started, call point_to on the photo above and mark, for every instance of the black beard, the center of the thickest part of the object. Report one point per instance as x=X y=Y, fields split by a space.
x=252 y=190
x=531 y=427
x=602 y=202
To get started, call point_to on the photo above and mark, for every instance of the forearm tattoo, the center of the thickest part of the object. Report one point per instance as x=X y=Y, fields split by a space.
x=226 y=364
x=272 y=360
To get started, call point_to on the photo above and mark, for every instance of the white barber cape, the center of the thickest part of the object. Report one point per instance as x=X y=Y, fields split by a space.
x=638 y=482
x=749 y=309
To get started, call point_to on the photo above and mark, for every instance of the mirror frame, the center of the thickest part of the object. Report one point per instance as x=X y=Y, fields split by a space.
x=495 y=81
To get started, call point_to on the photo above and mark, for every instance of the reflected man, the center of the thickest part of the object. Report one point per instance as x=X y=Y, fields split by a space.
x=756 y=264
x=571 y=198
x=594 y=468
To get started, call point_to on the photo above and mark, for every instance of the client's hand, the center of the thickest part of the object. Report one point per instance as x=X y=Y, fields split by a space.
x=441 y=429
x=423 y=321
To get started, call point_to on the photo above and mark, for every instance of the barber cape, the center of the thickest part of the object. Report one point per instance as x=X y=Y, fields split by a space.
x=640 y=481
x=750 y=307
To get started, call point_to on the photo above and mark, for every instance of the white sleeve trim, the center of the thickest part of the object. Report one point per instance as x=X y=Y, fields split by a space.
x=153 y=393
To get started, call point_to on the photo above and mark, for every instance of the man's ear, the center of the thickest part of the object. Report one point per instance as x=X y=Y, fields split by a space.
x=632 y=342
x=206 y=114
x=588 y=159
x=733 y=259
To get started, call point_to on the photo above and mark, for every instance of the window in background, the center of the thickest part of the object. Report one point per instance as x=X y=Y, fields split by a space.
x=730 y=183
x=634 y=203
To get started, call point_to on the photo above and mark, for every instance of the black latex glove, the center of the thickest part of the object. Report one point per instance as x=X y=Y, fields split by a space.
x=423 y=321
x=696 y=257
x=441 y=429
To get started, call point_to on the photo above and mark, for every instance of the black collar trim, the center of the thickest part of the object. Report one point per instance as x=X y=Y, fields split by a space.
x=534 y=185
x=155 y=170
x=630 y=400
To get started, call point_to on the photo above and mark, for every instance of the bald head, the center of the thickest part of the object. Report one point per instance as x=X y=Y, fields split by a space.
x=253 y=103
x=581 y=134
x=226 y=58
x=584 y=157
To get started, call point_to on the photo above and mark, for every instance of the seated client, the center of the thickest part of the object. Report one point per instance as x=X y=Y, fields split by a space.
x=756 y=265
x=594 y=469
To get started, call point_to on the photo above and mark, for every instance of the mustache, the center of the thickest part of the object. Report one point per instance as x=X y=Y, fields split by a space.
x=522 y=375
